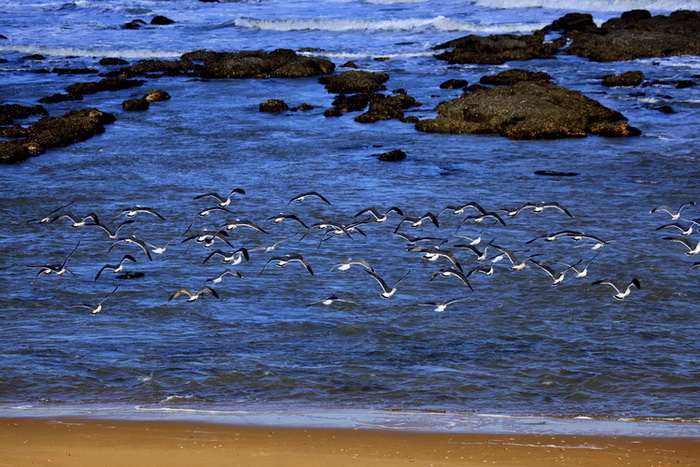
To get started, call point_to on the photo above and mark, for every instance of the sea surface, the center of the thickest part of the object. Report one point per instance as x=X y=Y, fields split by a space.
x=514 y=345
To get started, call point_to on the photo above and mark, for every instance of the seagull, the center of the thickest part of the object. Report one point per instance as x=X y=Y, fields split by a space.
x=441 y=306
x=457 y=210
x=484 y=269
x=448 y=272
x=693 y=247
x=386 y=291
x=557 y=277
x=695 y=265
x=46 y=219
x=223 y=201
x=279 y=218
x=579 y=272
x=331 y=300
x=621 y=293
x=481 y=218
x=413 y=239
x=113 y=234
x=675 y=215
x=77 y=221
x=472 y=240
x=193 y=295
x=345 y=265
x=133 y=211
x=378 y=217
x=205 y=213
x=538 y=207
x=58 y=269
x=515 y=262
x=159 y=250
x=684 y=230
x=310 y=194
x=98 y=308
x=220 y=277
x=599 y=242
x=208 y=237
x=286 y=259
x=434 y=253
x=269 y=248
x=235 y=257
x=241 y=223
x=418 y=221
x=119 y=267
x=132 y=240
x=480 y=255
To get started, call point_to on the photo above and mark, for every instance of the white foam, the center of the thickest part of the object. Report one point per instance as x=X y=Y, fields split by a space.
x=440 y=23
x=90 y=52
x=595 y=5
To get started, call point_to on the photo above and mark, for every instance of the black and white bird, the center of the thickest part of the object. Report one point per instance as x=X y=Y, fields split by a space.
x=132 y=240
x=133 y=211
x=242 y=223
x=58 y=269
x=516 y=264
x=387 y=292
x=286 y=259
x=459 y=209
x=685 y=229
x=309 y=194
x=692 y=246
x=96 y=309
x=331 y=300
x=379 y=217
x=557 y=276
x=452 y=272
x=113 y=234
x=675 y=214
x=622 y=290
x=47 y=218
x=482 y=217
x=418 y=221
x=220 y=277
x=119 y=267
x=580 y=272
x=442 y=305
x=77 y=221
x=192 y=296
x=282 y=217
x=222 y=201
x=434 y=253
x=209 y=237
x=233 y=257
x=537 y=207
x=348 y=263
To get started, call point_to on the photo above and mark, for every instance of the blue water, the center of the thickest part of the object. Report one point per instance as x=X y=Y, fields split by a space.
x=514 y=345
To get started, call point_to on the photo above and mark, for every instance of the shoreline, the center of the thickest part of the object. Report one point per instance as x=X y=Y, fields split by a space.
x=82 y=441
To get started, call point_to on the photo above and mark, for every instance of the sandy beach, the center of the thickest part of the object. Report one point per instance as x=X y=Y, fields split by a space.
x=71 y=442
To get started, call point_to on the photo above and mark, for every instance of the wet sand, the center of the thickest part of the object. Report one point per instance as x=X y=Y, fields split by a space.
x=77 y=442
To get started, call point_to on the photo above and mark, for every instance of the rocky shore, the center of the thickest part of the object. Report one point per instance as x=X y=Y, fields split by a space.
x=517 y=104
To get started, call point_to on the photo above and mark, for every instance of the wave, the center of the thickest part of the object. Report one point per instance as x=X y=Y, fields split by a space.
x=595 y=5
x=78 y=52
x=439 y=23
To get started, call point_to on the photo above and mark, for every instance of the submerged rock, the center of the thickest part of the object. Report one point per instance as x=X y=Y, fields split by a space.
x=54 y=132
x=629 y=78
x=496 y=49
x=391 y=156
x=508 y=77
x=355 y=81
x=280 y=63
x=527 y=110
x=273 y=105
x=105 y=84
x=11 y=112
x=135 y=105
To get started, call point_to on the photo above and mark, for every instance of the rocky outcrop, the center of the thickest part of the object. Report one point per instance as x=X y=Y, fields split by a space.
x=280 y=63
x=454 y=84
x=355 y=81
x=105 y=84
x=157 y=95
x=509 y=77
x=11 y=112
x=136 y=105
x=638 y=34
x=273 y=105
x=54 y=132
x=496 y=49
x=527 y=110
x=382 y=107
x=391 y=156
x=629 y=78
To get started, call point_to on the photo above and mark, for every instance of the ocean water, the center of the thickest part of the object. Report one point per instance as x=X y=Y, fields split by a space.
x=514 y=345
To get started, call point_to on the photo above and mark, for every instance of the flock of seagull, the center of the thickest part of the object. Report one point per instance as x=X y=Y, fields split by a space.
x=459 y=257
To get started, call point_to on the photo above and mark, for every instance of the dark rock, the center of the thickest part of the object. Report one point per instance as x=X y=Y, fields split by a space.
x=637 y=34
x=135 y=105
x=391 y=156
x=350 y=64
x=135 y=24
x=354 y=81
x=162 y=67
x=509 y=77
x=53 y=132
x=629 y=78
x=303 y=107
x=13 y=132
x=74 y=71
x=34 y=57
x=474 y=87
x=160 y=20
x=105 y=84
x=332 y=112
x=527 y=110
x=280 y=63
x=496 y=49
x=454 y=84
x=110 y=61
x=666 y=109
x=383 y=107
x=273 y=105
x=11 y=112
x=554 y=173
x=381 y=59
x=684 y=84
x=352 y=102
x=156 y=95
x=573 y=22
x=59 y=97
